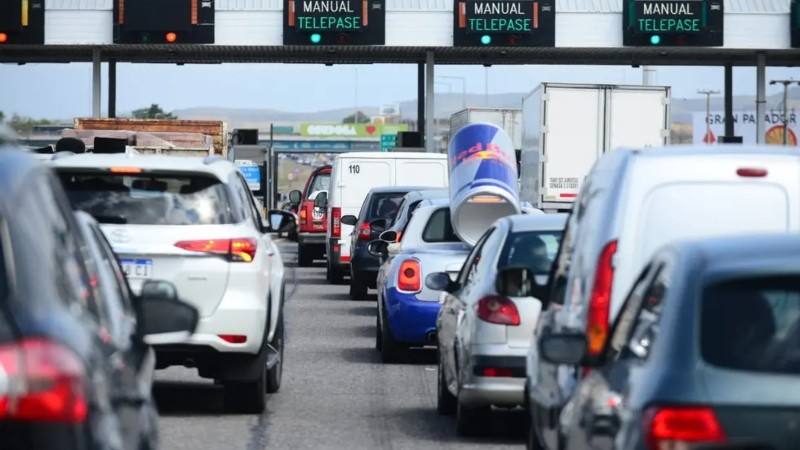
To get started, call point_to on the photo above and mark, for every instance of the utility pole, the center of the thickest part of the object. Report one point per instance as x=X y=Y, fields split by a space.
x=786 y=84
x=708 y=94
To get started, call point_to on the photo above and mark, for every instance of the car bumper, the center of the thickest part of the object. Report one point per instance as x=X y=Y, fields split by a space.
x=306 y=238
x=412 y=321
x=23 y=435
x=334 y=250
x=365 y=265
x=480 y=390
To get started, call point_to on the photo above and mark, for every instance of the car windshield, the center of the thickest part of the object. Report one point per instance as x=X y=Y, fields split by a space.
x=534 y=249
x=439 y=228
x=319 y=183
x=752 y=324
x=385 y=206
x=144 y=199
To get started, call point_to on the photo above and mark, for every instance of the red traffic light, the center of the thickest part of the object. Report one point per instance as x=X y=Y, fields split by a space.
x=342 y=38
x=171 y=37
x=512 y=40
x=3 y=38
x=681 y=39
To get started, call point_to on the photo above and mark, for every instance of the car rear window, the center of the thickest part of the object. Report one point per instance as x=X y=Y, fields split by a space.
x=752 y=324
x=385 y=206
x=439 y=228
x=149 y=199
x=534 y=249
x=321 y=182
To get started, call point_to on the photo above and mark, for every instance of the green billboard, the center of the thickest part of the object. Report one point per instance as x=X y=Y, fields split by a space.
x=355 y=130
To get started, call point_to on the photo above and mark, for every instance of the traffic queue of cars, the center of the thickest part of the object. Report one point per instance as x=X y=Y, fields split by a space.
x=662 y=312
x=113 y=265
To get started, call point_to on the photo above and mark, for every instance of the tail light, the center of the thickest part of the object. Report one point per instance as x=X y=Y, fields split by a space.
x=399 y=235
x=364 y=232
x=303 y=215
x=499 y=310
x=751 y=172
x=237 y=250
x=597 y=324
x=336 y=224
x=409 y=278
x=680 y=427
x=45 y=383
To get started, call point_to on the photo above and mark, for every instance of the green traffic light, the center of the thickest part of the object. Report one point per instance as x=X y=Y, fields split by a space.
x=486 y=39
x=655 y=39
x=315 y=38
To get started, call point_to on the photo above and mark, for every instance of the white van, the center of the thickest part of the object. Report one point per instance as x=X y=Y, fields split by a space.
x=352 y=177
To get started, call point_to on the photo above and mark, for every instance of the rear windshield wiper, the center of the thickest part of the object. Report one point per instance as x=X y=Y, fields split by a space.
x=119 y=220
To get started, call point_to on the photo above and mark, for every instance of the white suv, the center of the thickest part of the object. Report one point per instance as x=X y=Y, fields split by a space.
x=193 y=221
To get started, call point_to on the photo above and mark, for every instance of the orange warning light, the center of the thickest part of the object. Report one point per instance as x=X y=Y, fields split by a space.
x=171 y=37
x=3 y=37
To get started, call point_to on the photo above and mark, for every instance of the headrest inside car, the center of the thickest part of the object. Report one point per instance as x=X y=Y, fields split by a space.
x=109 y=145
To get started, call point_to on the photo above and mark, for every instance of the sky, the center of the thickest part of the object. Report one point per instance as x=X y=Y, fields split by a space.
x=63 y=91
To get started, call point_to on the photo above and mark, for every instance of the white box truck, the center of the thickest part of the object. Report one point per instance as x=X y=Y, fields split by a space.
x=566 y=127
x=510 y=120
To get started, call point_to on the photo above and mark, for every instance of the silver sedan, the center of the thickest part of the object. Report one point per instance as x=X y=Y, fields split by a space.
x=488 y=314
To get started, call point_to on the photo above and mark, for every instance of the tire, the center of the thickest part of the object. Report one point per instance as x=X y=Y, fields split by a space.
x=246 y=398
x=358 y=288
x=390 y=348
x=305 y=258
x=446 y=403
x=472 y=421
x=275 y=375
x=334 y=276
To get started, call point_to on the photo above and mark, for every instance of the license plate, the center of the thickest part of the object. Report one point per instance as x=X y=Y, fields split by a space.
x=137 y=268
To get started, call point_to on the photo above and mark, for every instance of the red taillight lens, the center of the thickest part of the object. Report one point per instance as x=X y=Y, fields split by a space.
x=238 y=250
x=336 y=224
x=364 y=233
x=675 y=427
x=303 y=215
x=409 y=278
x=499 y=310
x=751 y=172
x=600 y=302
x=46 y=382
x=495 y=372
x=233 y=338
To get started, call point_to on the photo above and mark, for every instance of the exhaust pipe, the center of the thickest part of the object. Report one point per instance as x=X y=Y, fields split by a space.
x=431 y=337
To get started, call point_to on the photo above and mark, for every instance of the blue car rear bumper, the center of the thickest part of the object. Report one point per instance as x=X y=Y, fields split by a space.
x=410 y=320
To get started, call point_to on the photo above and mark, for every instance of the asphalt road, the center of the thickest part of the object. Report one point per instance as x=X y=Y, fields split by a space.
x=336 y=394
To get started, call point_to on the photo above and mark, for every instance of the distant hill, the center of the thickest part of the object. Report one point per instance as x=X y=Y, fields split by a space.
x=445 y=105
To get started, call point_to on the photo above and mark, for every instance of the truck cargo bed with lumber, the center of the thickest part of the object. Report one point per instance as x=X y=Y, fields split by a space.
x=181 y=133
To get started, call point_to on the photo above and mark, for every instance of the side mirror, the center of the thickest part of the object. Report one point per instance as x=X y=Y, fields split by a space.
x=440 y=281
x=349 y=220
x=377 y=225
x=378 y=248
x=295 y=196
x=566 y=349
x=321 y=200
x=388 y=236
x=279 y=221
x=515 y=282
x=162 y=315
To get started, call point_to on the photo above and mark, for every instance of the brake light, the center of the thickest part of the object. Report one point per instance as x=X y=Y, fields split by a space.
x=497 y=372
x=45 y=382
x=751 y=172
x=233 y=338
x=125 y=170
x=499 y=310
x=409 y=278
x=600 y=301
x=364 y=233
x=237 y=250
x=303 y=215
x=675 y=427
x=336 y=225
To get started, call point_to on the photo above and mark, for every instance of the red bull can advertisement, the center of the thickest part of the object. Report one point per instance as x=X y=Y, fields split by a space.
x=483 y=179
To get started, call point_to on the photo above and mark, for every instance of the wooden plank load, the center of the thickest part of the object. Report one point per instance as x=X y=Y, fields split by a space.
x=180 y=133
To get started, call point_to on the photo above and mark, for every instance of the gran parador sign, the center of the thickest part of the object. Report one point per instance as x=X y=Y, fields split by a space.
x=355 y=130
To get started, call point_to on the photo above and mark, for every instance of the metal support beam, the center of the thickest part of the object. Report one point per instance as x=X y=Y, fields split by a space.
x=761 y=96
x=729 y=131
x=112 y=88
x=647 y=75
x=96 y=83
x=421 y=99
x=430 y=125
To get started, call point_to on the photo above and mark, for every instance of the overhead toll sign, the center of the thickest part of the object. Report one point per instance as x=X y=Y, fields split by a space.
x=673 y=23
x=163 y=21
x=21 y=22
x=334 y=22
x=795 y=27
x=504 y=23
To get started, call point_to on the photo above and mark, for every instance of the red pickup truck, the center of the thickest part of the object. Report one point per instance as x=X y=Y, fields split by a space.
x=312 y=223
